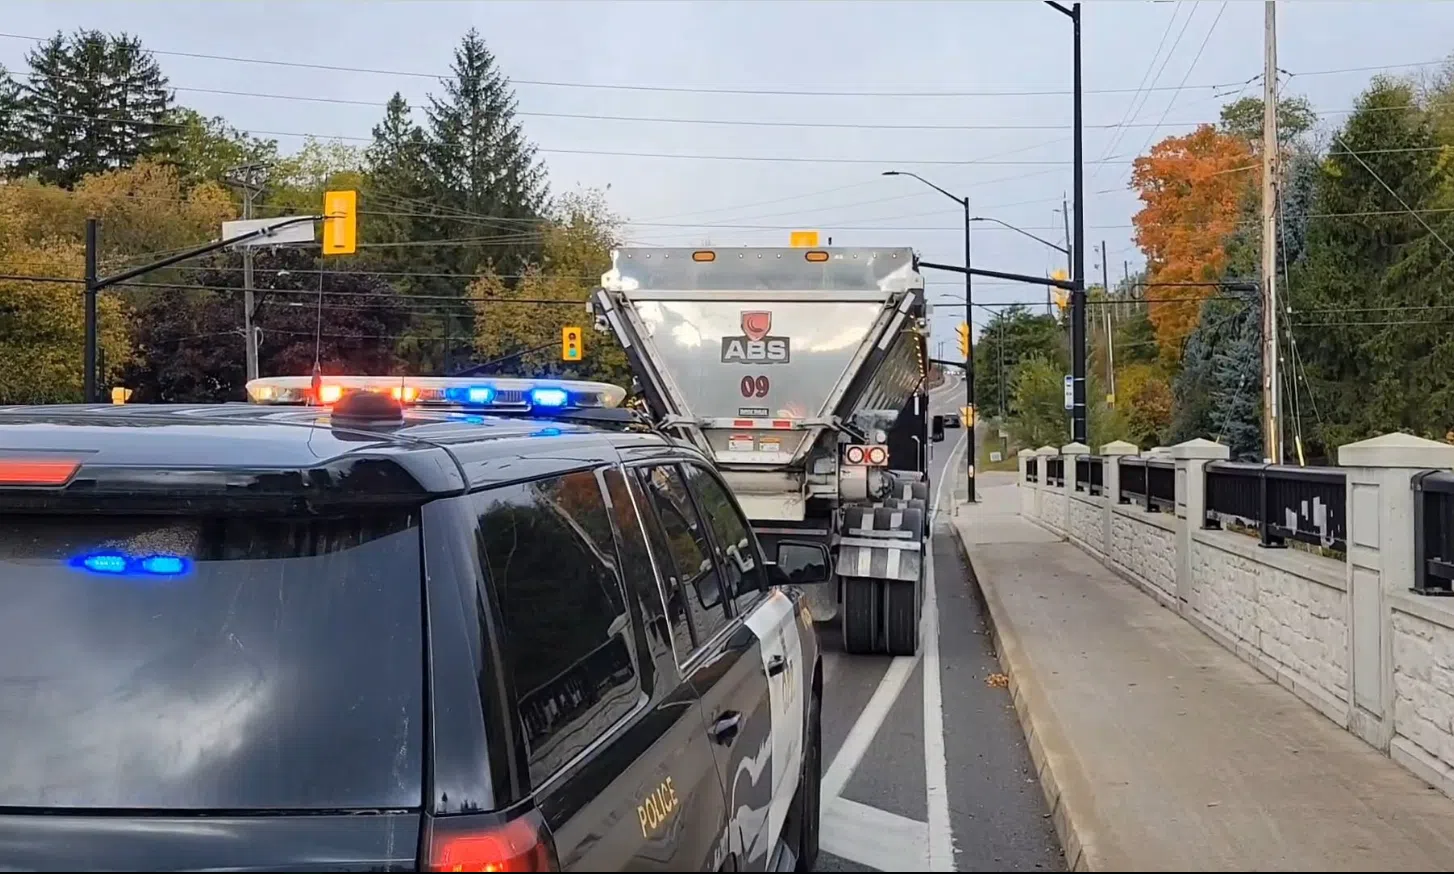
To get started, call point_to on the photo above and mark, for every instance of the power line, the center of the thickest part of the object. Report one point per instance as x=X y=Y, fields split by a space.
x=661 y=119
x=1145 y=94
x=1192 y=66
x=783 y=159
x=600 y=86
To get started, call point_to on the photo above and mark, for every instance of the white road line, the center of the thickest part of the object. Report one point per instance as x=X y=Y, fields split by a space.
x=863 y=731
x=936 y=840
x=940 y=844
x=873 y=837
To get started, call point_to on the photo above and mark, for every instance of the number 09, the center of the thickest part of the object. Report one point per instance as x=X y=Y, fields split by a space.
x=754 y=386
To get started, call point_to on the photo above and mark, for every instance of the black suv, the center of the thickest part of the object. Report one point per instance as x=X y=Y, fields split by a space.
x=287 y=639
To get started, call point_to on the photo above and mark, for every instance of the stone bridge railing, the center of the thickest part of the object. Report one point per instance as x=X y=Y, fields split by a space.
x=1319 y=577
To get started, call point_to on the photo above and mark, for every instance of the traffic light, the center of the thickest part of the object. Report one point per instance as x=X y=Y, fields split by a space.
x=963 y=331
x=1062 y=299
x=340 y=222
x=571 y=348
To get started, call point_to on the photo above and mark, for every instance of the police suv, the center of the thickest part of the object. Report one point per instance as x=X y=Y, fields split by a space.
x=395 y=624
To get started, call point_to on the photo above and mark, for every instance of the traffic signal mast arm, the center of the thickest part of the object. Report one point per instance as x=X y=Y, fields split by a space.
x=207 y=249
x=1067 y=284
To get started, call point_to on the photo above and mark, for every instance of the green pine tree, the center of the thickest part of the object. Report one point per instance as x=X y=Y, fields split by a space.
x=92 y=103
x=482 y=185
x=10 y=130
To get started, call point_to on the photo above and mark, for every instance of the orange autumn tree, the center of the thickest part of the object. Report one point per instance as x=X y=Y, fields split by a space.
x=1191 y=188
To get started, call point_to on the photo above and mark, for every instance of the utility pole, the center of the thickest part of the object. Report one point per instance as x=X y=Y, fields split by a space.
x=1110 y=334
x=248 y=179
x=88 y=379
x=1078 y=431
x=1271 y=438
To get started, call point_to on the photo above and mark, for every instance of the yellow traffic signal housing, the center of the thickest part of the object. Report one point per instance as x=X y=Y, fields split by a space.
x=1062 y=300
x=963 y=331
x=571 y=348
x=340 y=222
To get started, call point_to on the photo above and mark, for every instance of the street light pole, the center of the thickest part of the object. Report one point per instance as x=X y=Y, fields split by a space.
x=968 y=322
x=973 y=422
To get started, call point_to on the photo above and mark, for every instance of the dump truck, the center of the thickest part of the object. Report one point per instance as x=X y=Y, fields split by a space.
x=801 y=372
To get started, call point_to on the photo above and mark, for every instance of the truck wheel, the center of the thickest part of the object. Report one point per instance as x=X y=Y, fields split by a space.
x=901 y=617
x=861 y=602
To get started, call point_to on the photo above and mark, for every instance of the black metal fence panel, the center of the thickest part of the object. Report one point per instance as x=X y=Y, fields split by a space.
x=1088 y=474
x=1434 y=532
x=1307 y=504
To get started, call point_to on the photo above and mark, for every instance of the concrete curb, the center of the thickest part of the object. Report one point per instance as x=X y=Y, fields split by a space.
x=1066 y=789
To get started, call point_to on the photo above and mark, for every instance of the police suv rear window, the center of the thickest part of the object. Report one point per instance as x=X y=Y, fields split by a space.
x=211 y=663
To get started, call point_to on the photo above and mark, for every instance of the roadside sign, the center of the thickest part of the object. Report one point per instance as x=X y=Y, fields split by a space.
x=1069 y=393
x=292 y=235
x=996 y=457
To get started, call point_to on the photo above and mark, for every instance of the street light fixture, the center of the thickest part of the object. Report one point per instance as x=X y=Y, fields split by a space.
x=969 y=323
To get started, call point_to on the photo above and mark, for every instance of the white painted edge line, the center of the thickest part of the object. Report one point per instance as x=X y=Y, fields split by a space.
x=870 y=836
x=935 y=843
x=940 y=842
x=855 y=746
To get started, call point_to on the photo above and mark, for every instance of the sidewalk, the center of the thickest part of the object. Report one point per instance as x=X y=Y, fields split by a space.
x=1159 y=750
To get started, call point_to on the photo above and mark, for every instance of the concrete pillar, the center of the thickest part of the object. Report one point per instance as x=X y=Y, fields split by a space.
x=1191 y=503
x=1026 y=490
x=1045 y=492
x=1072 y=452
x=1112 y=453
x=1380 y=537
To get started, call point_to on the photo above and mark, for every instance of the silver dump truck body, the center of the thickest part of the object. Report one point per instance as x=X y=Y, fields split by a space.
x=773 y=361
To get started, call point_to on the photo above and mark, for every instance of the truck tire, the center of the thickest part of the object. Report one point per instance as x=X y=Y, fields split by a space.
x=861 y=608
x=902 y=602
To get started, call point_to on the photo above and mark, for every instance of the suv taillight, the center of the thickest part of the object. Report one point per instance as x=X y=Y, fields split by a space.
x=473 y=843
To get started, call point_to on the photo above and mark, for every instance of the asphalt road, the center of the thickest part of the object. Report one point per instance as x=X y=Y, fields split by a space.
x=926 y=767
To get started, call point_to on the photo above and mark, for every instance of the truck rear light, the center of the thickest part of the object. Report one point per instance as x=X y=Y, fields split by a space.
x=463 y=844
x=37 y=471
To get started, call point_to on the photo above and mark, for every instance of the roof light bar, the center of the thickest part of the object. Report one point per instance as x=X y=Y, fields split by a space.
x=488 y=394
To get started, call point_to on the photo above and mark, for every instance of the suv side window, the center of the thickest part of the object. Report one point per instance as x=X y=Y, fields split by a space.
x=689 y=548
x=746 y=580
x=547 y=548
x=636 y=568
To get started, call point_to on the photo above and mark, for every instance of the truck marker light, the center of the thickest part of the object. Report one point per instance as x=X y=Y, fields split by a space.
x=704 y=255
x=816 y=256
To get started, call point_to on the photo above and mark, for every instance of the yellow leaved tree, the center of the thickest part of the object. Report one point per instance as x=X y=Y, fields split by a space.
x=144 y=211
x=523 y=338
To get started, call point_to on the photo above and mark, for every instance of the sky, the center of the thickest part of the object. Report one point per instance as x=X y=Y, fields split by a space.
x=733 y=138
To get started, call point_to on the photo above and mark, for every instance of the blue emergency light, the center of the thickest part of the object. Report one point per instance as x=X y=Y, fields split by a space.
x=549 y=397
x=116 y=564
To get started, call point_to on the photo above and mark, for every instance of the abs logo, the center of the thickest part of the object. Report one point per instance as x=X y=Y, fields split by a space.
x=754 y=346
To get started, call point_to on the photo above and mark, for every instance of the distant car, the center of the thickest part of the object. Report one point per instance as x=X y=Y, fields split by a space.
x=951 y=420
x=512 y=634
